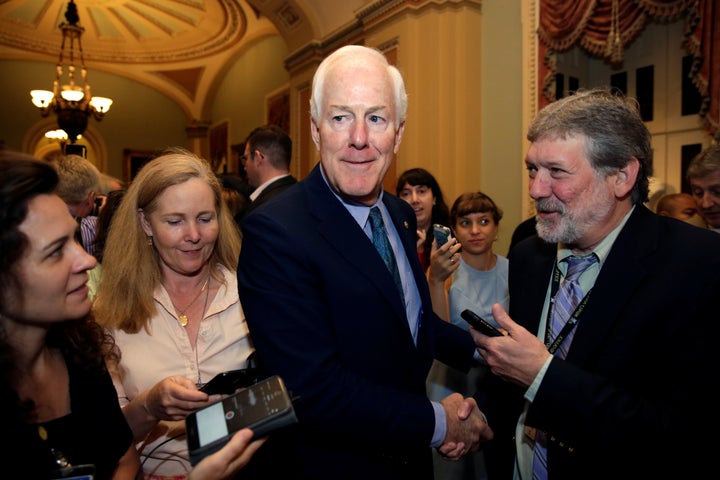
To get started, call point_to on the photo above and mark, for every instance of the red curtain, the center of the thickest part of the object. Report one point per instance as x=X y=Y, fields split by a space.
x=605 y=27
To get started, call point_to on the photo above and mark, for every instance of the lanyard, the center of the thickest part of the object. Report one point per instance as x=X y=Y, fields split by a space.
x=571 y=322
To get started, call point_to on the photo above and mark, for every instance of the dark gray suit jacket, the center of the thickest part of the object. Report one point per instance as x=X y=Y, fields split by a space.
x=632 y=399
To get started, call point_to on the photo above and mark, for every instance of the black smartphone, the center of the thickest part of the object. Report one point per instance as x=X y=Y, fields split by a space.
x=442 y=234
x=228 y=382
x=262 y=407
x=480 y=324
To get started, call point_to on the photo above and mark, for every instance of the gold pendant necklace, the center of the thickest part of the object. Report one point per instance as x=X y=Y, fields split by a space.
x=182 y=318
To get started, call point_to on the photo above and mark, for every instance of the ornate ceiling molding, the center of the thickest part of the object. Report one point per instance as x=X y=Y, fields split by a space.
x=127 y=31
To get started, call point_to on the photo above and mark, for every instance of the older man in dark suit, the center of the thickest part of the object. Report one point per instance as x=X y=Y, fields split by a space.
x=353 y=336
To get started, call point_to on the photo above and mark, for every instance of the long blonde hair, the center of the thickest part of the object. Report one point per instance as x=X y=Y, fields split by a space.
x=131 y=267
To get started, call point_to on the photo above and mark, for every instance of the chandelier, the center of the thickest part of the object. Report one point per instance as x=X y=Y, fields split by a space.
x=72 y=103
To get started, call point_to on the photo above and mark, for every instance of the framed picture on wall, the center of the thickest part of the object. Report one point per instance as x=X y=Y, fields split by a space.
x=278 y=109
x=133 y=160
x=220 y=147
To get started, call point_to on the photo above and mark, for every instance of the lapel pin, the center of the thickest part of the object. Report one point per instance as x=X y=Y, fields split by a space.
x=405 y=224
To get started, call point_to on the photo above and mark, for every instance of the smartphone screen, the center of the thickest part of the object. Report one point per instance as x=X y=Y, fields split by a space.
x=211 y=424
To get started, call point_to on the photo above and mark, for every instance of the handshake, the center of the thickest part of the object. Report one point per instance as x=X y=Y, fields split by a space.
x=466 y=427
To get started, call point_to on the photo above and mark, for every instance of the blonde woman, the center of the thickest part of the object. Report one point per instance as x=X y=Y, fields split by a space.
x=169 y=295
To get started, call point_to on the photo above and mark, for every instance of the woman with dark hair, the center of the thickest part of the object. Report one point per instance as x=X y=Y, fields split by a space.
x=419 y=188
x=57 y=397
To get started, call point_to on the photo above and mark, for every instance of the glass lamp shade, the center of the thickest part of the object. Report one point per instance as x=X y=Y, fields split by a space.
x=72 y=94
x=41 y=98
x=56 y=134
x=101 y=104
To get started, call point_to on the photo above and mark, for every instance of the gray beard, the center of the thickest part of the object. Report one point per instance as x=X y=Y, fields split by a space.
x=563 y=232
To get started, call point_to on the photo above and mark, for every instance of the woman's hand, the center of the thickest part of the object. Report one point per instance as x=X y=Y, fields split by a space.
x=173 y=398
x=226 y=462
x=443 y=261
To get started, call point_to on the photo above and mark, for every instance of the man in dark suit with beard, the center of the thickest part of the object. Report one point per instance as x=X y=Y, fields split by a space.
x=609 y=378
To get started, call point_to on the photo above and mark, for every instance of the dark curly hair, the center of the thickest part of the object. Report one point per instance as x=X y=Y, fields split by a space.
x=82 y=342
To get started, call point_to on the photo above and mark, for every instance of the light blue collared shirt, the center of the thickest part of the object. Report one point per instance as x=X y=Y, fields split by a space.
x=413 y=304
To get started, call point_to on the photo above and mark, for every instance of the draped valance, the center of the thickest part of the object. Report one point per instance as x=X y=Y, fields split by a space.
x=604 y=28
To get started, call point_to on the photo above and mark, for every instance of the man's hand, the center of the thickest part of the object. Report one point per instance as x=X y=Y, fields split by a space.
x=466 y=427
x=517 y=356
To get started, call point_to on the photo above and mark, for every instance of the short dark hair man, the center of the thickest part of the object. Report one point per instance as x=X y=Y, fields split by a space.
x=268 y=150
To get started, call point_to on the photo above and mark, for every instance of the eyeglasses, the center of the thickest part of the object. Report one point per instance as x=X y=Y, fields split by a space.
x=243 y=159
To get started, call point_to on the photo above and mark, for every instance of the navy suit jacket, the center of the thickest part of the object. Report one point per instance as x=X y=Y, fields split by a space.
x=631 y=399
x=325 y=315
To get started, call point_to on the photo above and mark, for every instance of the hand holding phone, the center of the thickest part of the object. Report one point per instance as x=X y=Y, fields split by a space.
x=480 y=324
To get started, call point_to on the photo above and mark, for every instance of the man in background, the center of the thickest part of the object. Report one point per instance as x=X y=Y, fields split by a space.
x=703 y=173
x=108 y=184
x=78 y=187
x=681 y=206
x=268 y=150
x=79 y=183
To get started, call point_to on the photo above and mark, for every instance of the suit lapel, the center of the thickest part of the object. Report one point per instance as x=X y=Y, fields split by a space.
x=343 y=234
x=623 y=272
x=529 y=278
x=405 y=223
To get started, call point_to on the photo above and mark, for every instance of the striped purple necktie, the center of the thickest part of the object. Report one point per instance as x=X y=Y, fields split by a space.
x=566 y=301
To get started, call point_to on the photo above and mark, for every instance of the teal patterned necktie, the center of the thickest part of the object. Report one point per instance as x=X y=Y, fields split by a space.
x=382 y=245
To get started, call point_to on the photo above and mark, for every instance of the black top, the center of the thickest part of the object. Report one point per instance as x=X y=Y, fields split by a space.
x=525 y=229
x=95 y=432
